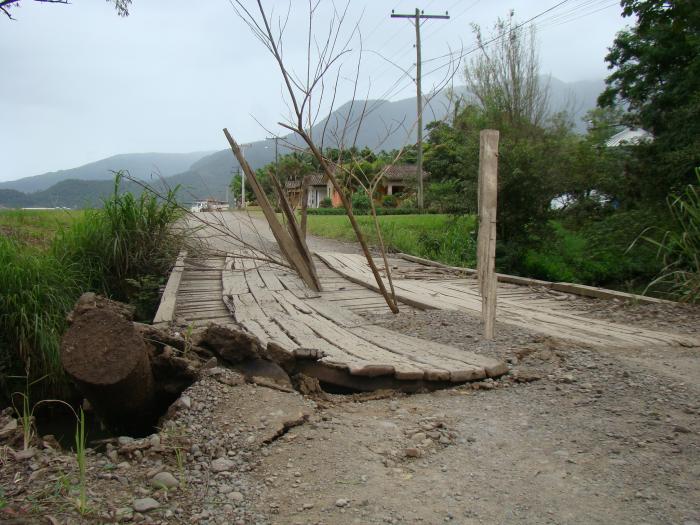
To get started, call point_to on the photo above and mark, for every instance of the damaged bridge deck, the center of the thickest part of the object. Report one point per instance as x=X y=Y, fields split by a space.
x=323 y=331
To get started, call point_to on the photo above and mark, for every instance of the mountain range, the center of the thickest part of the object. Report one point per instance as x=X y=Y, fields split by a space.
x=386 y=125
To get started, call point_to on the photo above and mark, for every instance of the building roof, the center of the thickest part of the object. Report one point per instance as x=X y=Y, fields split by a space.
x=402 y=172
x=629 y=137
x=315 y=179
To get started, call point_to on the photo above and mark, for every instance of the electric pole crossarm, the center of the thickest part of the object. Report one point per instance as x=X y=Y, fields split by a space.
x=443 y=17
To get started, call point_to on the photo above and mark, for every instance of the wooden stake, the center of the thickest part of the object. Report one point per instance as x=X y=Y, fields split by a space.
x=486 y=243
x=288 y=246
x=304 y=203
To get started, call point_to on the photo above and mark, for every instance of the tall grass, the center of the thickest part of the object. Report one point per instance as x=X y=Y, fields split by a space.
x=679 y=248
x=125 y=249
x=36 y=293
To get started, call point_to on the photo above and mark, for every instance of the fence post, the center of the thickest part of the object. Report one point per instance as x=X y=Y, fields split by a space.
x=486 y=242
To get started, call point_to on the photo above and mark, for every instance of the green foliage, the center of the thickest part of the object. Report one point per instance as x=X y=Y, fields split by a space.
x=360 y=202
x=679 y=248
x=656 y=74
x=37 y=293
x=595 y=253
x=449 y=196
x=123 y=250
x=326 y=202
x=127 y=245
x=380 y=211
x=441 y=237
x=389 y=201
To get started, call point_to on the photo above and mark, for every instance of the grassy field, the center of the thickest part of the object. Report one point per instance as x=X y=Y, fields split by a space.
x=35 y=227
x=439 y=237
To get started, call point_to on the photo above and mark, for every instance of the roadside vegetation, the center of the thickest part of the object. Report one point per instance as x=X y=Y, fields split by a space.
x=48 y=258
x=571 y=207
x=444 y=238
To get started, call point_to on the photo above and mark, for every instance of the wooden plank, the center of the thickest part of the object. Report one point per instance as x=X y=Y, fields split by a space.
x=166 y=308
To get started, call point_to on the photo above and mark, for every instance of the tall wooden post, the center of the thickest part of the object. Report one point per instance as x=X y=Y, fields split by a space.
x=486 y=243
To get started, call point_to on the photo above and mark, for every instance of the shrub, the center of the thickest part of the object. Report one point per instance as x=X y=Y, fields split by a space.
x=389 y=201
x=326 y=203
x=360 y=202
x=408 y=203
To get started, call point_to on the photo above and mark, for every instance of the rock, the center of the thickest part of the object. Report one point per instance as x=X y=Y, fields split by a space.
x=124 y=514
x=307 y=506
x=680 y=429
x=222 y=465
x=9 y=427
x=412 y=452
x=164 y=480
x=418 y=437
x=567 y=378
x=236 y=496
x=342 y=502
x=145 y=504
x=185 y=401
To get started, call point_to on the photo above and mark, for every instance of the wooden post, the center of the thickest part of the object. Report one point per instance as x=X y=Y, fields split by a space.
x=304 y=203
x=291 y=248
x=486 y=243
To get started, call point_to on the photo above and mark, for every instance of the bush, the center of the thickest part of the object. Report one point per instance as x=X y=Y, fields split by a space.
x=326 y=203
x=389 y=201
x=360 y=202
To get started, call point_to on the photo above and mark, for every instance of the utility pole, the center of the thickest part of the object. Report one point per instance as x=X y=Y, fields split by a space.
x=416 y=20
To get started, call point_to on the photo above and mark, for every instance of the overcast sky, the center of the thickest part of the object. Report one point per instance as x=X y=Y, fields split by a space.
x=79 y=83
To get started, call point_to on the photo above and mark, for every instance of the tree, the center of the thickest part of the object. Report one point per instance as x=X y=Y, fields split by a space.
x=505 y=75
x=6 y=6
x=656 y=75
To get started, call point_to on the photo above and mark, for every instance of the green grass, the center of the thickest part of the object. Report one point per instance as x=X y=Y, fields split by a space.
x=37 y=292
x=442 y=238
x=36 y=227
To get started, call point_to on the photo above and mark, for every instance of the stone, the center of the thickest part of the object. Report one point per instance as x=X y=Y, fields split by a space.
x=307 y=506
x=222 y=465
x=185 y=402
x=145 y=504
x=680 y=429
x=236 y=496
x=341 y=502
x=164 y=480
x=412 y=452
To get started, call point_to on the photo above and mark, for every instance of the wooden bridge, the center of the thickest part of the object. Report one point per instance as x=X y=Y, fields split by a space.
x=335 y=329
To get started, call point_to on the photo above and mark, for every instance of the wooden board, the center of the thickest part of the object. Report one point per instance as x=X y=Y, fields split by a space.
x=272 y=304
x=548 y=317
